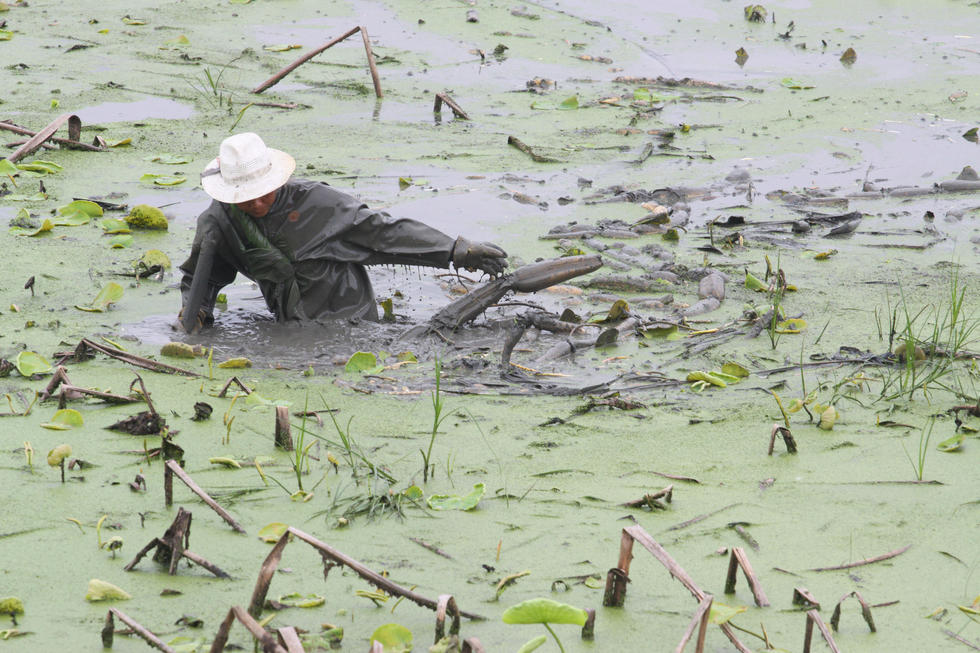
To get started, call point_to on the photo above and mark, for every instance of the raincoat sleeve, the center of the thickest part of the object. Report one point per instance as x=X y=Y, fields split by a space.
x=389 y=240
x=220 y=273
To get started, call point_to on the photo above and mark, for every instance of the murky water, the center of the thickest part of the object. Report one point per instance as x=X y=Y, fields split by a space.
x=557 y=469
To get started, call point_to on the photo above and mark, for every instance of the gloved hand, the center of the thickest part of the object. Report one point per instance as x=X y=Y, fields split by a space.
x=486 y=257
x=199 y=323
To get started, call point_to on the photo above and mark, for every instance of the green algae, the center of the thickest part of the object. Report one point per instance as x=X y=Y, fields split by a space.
x=841 y=499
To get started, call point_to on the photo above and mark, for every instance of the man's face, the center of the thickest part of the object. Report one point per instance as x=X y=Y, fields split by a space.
x=259 y=207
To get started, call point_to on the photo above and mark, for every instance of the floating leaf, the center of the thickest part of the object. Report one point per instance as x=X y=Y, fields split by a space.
x=281 y=47
x=793 y=325
x=180 y=40
x=120 y=143
x=6 y=35
x=115 y=226
x=111 y=293
x=406 y=357
x=796 y=85
x=76 y=219
x=297 y=600
x=721 y=613
x=413 y=492
x=544 y=611
x=163 y=180
x=168 y=158
x=659 y=330
x=227 y=462
x=741 y=56
x=395 y=638
x=828 y=417
x=57 y=455
x=30 y=363
x=42 y=167
x=8 y=167
x=952 y=444
x=734 y=369
x=823 y=256
x=362 y=361
x=23 y=197
x=971 y=135
x=456 y=502
x=120 y=241
x=99 y=590
x=753 y=283
x=129 y=20
x=235 y=363
x=64 y=419
x=533 y=644
x=272 y=532
x=707 y=377
x=11 y=605
x=569 y=103
x=849 y=56
x=45 y=227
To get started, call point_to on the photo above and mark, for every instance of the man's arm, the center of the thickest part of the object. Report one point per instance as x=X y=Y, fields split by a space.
x=209 y=282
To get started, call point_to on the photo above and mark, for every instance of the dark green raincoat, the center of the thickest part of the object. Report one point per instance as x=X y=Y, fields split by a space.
x=308 y=253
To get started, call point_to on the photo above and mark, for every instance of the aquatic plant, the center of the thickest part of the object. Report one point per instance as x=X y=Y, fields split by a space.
x=919 y=464
x=544 y=612
x=437 y=420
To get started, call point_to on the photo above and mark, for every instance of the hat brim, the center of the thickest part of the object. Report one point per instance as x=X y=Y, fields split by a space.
x=282 y=168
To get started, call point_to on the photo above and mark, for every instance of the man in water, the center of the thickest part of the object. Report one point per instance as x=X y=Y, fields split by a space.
x=303 y=242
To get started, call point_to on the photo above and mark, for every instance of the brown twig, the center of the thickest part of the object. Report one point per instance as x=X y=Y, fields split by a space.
x=267 y=641
x=694 y=520
x=739 y=559
x=38 y=138
x=275 y=79
x=961 y=640
x=85 y=344
x=283 y=438
x=109 y=629
x=196 y=489
x=867 y=561
x=813 y=617
x=700 y=618
x=431 y=547
x=651 y=500
x=444 y=98
x=289 y=639
x=865 y=611
x=234 y=380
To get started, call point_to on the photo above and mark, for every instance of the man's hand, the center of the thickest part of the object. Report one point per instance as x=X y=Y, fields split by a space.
x=486 y=257
x=202 y=317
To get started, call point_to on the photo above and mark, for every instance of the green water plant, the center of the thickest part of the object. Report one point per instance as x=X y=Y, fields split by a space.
x=56 y=458
x=919 y=463
x=544 y=612
x=394 y=638
x=437 y=419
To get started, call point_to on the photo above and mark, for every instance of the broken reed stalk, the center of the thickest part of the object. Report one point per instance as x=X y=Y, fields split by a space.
x=446 y=602
x=275 y=79
x=60 y=381
x=176 y=469
x=570 y=346
x=431 y=547
x=444 y=98
x=289 y=639
x=284 y=440
x=783 y=432
x=739 y=559
x=37 y=139
x=266 y=640
x=813 y=617
x=82 y=352
x=700 y=617
x=802 y=597
x=866 y=561
x=472 y=645
x=108 y=630
x=865 y=611
x=616 y=579
x=651 y=500
x=234 y=380
x=332 y=556
x=172 y=547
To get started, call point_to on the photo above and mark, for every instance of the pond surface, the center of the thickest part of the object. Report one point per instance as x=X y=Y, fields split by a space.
x=793 y=133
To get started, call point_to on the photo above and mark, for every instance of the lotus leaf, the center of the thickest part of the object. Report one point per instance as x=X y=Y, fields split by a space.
x=7 y=167
x=6 y=35
x=753 y=283
x=406 y=357
x=533 y=644
x=64 y=419
x=111 y=293
x=456 y=502
x=30 y=363
x=363 y=361
x=828 y=417
x=297 y=600
x=57 y=455
x=796 y=85
x=178 y=350
x=227 y=462
x=168 y=158
x=569 y=103
x=794 y=325
x=99 y=590
x=235 y=363
x=281 y=48
x=115 y=226
x=120 y=143
x=272 y=532
x=76 y=219
x=952 y=444
x=721 y=613
x=734 y=369
x=163 y=180
x=395 y=638
x=707 y=377
x=153 y=259
x=46 y=226
x=544 y=611
x=120 y=241
x=412 y=492
x=42 y=167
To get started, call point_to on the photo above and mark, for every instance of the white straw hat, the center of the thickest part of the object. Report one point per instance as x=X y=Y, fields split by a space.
x=245 y=169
